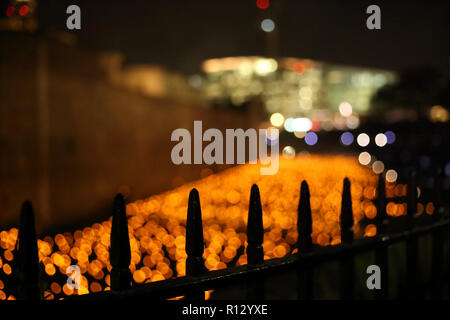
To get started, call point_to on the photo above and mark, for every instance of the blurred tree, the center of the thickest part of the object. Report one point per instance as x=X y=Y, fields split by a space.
x=416 y=89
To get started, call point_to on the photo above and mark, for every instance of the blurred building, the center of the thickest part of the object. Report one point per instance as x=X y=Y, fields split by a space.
x=293 y=87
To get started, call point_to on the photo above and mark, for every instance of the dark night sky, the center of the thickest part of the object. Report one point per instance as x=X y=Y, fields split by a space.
x=180 y=34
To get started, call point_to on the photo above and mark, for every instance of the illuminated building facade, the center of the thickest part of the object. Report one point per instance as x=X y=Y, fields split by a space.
x=332 y=94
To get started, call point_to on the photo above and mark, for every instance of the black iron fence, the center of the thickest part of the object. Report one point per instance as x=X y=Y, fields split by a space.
x=198 y=279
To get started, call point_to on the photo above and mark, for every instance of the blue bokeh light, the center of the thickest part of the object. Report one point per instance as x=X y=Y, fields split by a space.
x=347 y=138
x=390 y=136
x=311 y=138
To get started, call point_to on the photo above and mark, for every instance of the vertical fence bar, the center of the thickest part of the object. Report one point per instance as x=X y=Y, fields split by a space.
x=412 y=247
x=27 y=256
x=120 y=253
x=437 y=250
x=381 y=254
x=255 y=237
x=194 y=243
x=346 y=264
x=305 y=275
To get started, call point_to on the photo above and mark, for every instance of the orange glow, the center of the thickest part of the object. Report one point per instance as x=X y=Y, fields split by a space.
x=7 y=269
x=55 y=287
x=298 y=67
x=157 y=225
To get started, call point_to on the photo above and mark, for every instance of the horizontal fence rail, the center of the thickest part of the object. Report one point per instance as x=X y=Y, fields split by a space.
x=198 y=279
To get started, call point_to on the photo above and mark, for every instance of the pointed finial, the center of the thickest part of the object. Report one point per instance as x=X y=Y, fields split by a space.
x=346 y=214
x=120 y=252
x=437 y=193
x=411 y=194
x=304 y=220
x=27 y=256
x=194 y=236
x=381 y=204
x=255 y=230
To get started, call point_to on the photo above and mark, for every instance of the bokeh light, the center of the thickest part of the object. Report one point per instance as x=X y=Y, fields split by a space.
x=23 y=10
x=299 y=67
x=352 y=122
x=345 y=109
x=262 y=4
x=380 y=140
x=267 y=25
x=390 y=136
x=10 y=11
x=347 y=138
x=363 y=139
x=391 y=176
x=439 y=114
x=364 y=158
x=300 y=134
x=272 y=136
x=277 y=119
x=288 y=152
x=157 y=225
x=301 y=124
x=378 y=167
x=447 y=169
x=265 y=66
x=288 y=125
x=311 y=138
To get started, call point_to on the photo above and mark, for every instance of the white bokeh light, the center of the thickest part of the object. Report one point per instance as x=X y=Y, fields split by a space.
x=345 y=109
x=391 y=176
x=378 y=167
x=352 y=122
x=364 y=158
x=277 y=119
x=301 y=124
x=380 y=140
x=267 y=25
x=363 y=139
x=288 y=152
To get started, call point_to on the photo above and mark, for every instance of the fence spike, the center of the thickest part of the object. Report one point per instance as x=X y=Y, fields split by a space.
x=194 y=236
x=381 y=254
x=346 y=218
x=411 y=195
x=255 y=237
x=346 y=264
x=381 y=205
x=304 y=220
x=305 y=273
x=437 y=246
x=195 y=264
x=255 y=230
x=412 y=246
x=27 y=256
x=120 y=253
x=437 y=193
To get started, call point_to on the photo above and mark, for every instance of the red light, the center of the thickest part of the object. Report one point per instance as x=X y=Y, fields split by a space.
x=315 y=125
x=9 y=11
x=298 y=67
x=262 y=4
x=23 y=10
